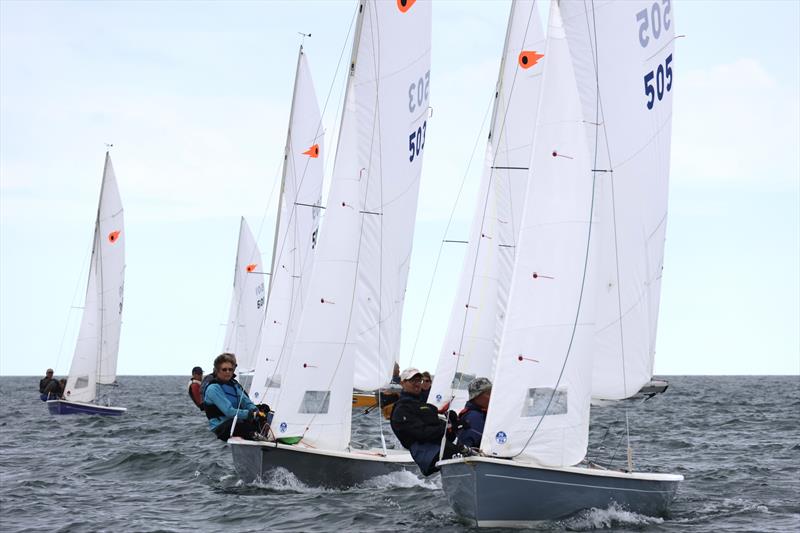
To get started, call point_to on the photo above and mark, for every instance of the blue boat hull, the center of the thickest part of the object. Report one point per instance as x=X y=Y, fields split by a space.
x=65 y=407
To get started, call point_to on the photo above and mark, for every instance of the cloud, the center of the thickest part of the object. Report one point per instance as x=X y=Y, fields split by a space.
x=734 y=123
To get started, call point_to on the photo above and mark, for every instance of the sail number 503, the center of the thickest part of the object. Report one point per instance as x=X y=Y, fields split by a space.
x=660 y=75
x=418 y=92
x=416 y=141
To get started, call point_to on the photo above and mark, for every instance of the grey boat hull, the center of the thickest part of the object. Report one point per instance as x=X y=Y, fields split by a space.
x=494 y=492
x=314 y=467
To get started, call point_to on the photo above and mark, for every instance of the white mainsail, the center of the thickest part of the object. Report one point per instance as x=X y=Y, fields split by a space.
x=540 y=408
x=295 y=236
x=473 y=333
x=625 y=82
x=95 y=357
x=246 y=315
x=349 y=332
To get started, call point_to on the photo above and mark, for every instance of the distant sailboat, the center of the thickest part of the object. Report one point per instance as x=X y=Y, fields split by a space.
x=248 y=302
x=349 y=332
x=572 y=252
x=296 y=235
x=95 y=359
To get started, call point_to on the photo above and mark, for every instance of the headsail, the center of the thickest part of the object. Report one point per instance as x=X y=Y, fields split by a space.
x=246 y=316
x=540 y=406
x=295 y=236
x=95 y=357
x=351 y=320
x=625 y=80
x=473 y=333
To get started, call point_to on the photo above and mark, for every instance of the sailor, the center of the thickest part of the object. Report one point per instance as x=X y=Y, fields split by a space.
x=472 y=418
x=417 y=425
x=194 y=387
x=225 y=402
x=55 y=389
x=44 y=382
x=427 y=381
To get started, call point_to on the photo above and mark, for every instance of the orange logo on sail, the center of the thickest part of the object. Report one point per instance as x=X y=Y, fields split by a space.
x=405 y=5
x=251 y=267
x=113 y=236
x=312 y=152
x=528 y=58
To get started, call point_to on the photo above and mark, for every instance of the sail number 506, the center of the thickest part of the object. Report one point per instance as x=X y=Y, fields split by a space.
x=416 y=141
x=662 y=73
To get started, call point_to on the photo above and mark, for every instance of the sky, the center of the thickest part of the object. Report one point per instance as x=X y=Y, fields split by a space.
x=195 y=98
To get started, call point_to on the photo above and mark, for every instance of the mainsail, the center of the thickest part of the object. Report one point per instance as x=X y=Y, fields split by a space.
x=625 y=82
x=246 y=315
x=295 y=236
x=473 y=333
x=95 y=357
x=349 y=333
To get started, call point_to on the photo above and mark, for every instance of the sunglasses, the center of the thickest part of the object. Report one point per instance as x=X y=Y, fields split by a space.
x=426 y=381
x=227 y=369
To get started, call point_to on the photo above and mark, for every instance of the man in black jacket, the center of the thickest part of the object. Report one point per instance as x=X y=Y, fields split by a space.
x=417 y=424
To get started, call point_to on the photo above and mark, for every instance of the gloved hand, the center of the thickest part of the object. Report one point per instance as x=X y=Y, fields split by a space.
x=264 y=408
x=257 y=414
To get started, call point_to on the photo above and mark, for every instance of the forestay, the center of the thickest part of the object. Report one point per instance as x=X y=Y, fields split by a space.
x=540 y=407
x=246 y=314
x=351 y=321
x=95 y=357
x=295 y=237
x=622 y=52
x=473 y=333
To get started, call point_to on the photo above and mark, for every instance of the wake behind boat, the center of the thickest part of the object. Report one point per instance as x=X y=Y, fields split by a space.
x=95 y=359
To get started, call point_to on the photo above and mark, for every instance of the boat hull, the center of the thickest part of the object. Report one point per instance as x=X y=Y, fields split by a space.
x=66 y=407
x=313 y=467
x=503 y=493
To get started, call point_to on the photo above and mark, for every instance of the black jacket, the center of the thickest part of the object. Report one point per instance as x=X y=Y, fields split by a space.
x=416 y=421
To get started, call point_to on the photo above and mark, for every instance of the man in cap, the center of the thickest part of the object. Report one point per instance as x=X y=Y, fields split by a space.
x=194 y=387
x=472 y=418
x=417 y=424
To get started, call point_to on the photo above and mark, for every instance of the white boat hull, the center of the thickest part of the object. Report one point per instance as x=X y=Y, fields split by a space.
x=314 y=467
x=503 y=493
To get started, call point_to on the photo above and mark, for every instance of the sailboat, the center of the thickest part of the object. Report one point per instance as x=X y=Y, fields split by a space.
x=349 y=332
x=532 y=467
x=296 y=235
x=248 y=302
x=470 y=345
x=95 y=358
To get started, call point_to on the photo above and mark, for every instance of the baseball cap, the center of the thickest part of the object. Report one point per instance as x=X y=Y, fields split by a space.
x=409 y=373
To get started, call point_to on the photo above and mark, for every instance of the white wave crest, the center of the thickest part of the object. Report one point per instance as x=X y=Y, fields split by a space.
x=281 y=479
x=611 y=517
x=403 y=479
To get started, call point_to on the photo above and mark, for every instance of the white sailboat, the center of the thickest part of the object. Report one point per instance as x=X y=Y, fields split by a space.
x=295 y=236
x=536 y=433
x=473 y=333
x=248 y=302
x=349 y=332
x=95 y=358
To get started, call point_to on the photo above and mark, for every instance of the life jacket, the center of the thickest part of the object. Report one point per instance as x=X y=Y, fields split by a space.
x=199 y=405
x=212 y=411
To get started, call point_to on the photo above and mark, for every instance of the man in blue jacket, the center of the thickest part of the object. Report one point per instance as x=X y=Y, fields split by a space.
x=472 y=418
x=225 y=401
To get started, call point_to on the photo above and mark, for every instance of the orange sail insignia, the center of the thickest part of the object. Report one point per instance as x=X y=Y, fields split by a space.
x=528 y=58
x=113 y=236
x=251 y=267
x=405 y=5
x=312 y=152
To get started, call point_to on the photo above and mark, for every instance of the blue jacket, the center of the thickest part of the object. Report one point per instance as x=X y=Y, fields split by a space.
x=230 y=399
x=471 y=421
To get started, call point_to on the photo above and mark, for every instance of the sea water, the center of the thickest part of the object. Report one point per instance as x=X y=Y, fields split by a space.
x=157 y=468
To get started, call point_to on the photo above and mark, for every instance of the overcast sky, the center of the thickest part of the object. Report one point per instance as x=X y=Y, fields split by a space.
x=195 y=97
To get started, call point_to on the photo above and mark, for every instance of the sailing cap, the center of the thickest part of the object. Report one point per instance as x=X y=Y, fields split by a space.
x=478 y=386
x=409 y=373
x=197 y=370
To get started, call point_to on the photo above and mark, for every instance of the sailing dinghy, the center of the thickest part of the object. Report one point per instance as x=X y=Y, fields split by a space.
x=570 y=254
x=349 y=333
x=95 y=359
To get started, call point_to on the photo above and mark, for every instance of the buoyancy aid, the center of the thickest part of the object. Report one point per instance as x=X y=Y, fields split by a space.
x=199 y=405
x=231 y=392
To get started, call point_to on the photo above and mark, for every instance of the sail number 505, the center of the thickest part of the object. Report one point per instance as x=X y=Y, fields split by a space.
x=662 y=73
x=416 y=141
